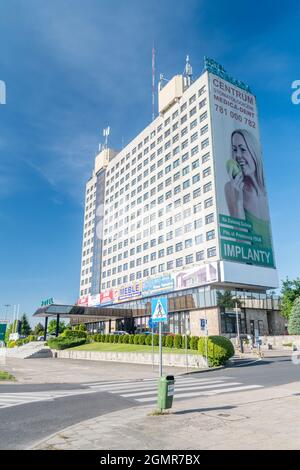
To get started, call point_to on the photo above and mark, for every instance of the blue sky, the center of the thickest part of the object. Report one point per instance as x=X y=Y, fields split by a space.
x=72 y=67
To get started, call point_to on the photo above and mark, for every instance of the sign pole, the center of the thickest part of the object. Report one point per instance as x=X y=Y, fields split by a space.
x=152 y=333
x=160 y=351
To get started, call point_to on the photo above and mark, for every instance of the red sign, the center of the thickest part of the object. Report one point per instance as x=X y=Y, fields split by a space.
x=83 y=300
x=107 y=297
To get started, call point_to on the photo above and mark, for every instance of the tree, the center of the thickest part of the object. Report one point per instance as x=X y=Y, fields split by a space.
x=290 y=290
x=25 y=327
x=227 y=300
x=38 y=329
x=294 y=319
x=52 y=327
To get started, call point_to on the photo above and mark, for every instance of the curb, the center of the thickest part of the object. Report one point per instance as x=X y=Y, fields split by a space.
x=51 y=436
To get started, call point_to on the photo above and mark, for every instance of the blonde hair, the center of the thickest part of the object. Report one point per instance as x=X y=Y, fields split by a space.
x=254 y=150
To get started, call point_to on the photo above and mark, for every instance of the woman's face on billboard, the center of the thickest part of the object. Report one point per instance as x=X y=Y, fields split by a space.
x=241 y=154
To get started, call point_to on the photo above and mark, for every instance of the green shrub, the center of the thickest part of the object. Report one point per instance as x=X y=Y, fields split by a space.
x=126 y=339
x=111 y=338
x=156 y=340
x=131 y=339
x=136 y=339
x=148 y=340
x=80 y=327
x=177 y=341
x=116 y=338
x=194 y=342
x=121 y=338
x=184 y=342
x=142 y=339
x=31 y=338
x=163 y=340
x=73 y=334
x=219 y=349
x=11 y=344
x=107 y=338
x=169 y=341
x=64 y=343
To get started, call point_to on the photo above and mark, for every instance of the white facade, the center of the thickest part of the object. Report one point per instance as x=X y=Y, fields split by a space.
x=160 y=201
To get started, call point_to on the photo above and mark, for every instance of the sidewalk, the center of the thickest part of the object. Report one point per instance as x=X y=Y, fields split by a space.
x=267 y=418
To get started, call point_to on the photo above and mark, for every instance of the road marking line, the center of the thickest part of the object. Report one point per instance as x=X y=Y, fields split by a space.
x=177 y=387
x=154 y=384
x=205 y=393
x=219 y=383
x=194 y=388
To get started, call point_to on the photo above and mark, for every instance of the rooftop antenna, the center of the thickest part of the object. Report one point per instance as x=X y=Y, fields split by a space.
x=153 y=82
x=106 y=133
x=162 y=79
x=188 y=72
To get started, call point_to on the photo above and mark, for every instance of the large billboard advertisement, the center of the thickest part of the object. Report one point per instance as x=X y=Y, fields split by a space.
x=169 y=282
x=242 y=201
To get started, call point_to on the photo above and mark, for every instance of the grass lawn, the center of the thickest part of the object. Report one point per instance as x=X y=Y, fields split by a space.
x=128 y=348
x=6 y=376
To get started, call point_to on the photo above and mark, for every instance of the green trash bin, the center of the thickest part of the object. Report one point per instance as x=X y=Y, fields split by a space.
x=165 y=392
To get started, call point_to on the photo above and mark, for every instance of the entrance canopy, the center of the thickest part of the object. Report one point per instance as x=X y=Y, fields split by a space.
x=75 y=311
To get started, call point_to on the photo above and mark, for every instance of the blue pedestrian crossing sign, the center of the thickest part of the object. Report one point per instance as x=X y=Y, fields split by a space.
x=159 y=310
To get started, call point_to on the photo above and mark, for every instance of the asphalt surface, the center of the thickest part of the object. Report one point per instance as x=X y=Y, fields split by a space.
x=25 y=424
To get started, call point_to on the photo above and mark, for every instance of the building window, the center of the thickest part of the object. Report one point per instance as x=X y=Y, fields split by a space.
x=210 y=235
x=207 y=172
x=209 y=218
x=170 y=265
x=207 y=187
x=204 y=143
x=200 y=255
x=208 y=202
x=199 y=239
x=179 y=262
x=189 y=259
x=211 y=252
x=203 y=116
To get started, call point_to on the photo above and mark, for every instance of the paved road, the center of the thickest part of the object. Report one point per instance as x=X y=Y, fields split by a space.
x=29 y=413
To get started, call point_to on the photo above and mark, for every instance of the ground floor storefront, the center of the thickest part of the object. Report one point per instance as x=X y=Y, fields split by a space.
x=210 y=309
x=197 y=311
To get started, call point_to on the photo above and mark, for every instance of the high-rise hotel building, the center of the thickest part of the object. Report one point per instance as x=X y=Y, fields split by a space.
x=182 y=211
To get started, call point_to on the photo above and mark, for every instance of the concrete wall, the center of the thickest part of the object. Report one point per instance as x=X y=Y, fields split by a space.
x=213 y=321
x=278 y=342
x=178 y=360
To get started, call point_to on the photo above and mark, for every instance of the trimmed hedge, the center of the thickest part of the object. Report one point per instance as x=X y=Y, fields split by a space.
x=194 y=342
x=219 y=349
x=169 y=341
x=131 y=339
x=73 y=334
x=178 y=341
x=64 y=343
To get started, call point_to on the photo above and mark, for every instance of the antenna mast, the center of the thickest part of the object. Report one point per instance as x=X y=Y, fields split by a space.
x=153 y=82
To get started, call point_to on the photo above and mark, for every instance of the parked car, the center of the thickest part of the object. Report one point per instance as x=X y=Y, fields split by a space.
x=120 y=332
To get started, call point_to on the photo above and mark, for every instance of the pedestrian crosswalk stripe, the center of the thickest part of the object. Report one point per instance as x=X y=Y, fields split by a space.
x=203 y=393
x=14 y=399
x=177 y=386
x=197 y=387
x=154 y=382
